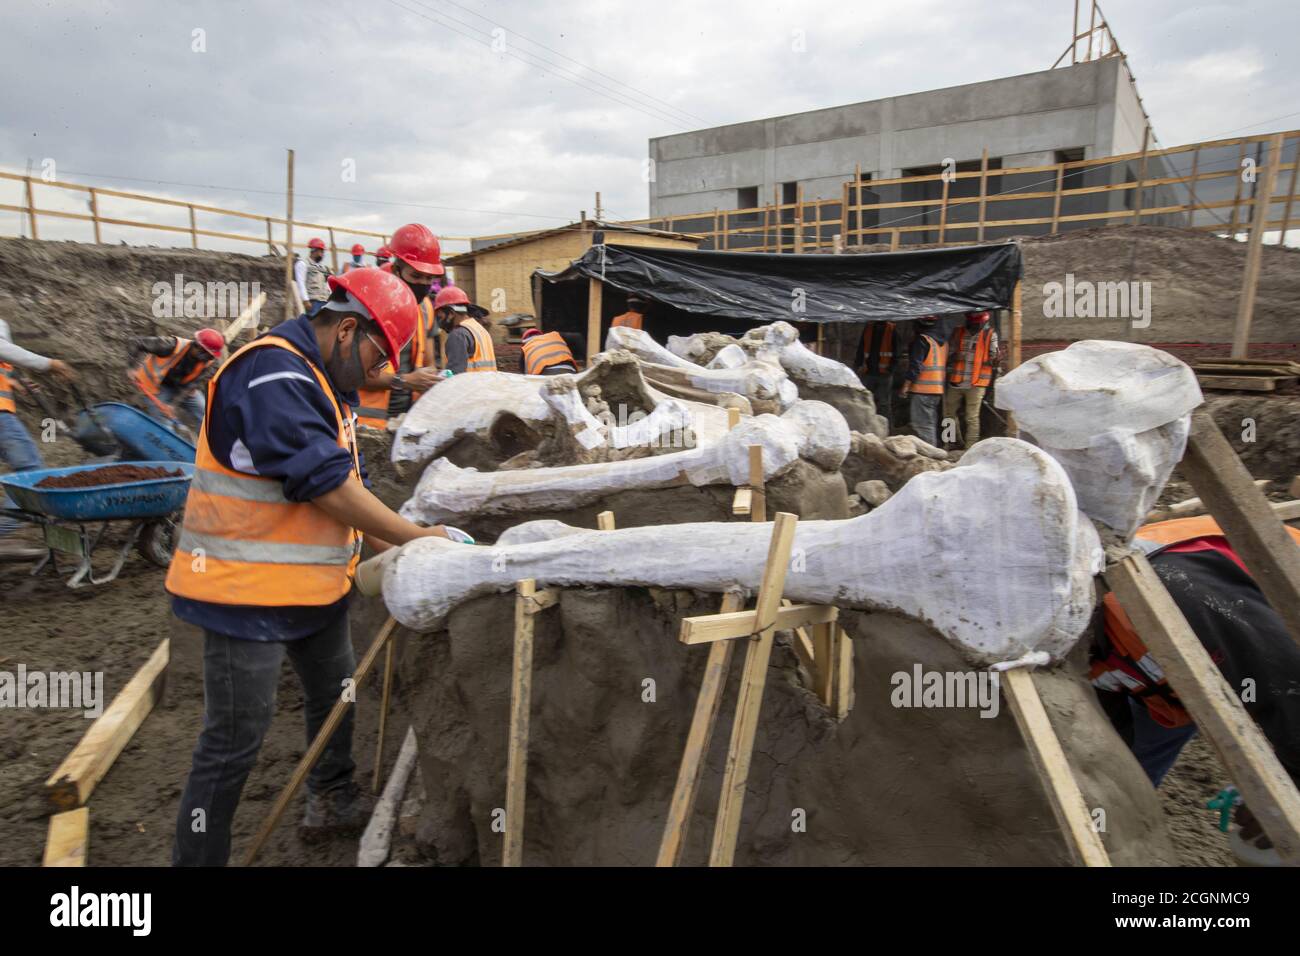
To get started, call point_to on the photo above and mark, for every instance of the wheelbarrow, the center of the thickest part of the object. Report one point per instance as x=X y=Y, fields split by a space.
x=79 y=521
x=109 y=428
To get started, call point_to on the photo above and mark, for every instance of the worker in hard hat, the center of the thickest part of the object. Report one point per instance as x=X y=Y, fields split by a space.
x=634 y=317
x=310 y=277
x=170 y=373
x=356 y=262
x=973 y=353
x=927 y=367
x=277 y=511
x=469 y=345
x=546 y=353
x=382 y=256
x=390 y=391
x=879 y=359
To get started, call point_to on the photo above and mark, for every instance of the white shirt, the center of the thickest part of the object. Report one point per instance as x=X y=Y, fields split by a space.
x=17 y=355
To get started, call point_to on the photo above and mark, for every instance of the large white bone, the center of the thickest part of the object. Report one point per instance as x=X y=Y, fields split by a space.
x=469 y=404
x=776 y=342
x=993 y=553
x=757 y=380
x=811 y=430
x=1115 y=414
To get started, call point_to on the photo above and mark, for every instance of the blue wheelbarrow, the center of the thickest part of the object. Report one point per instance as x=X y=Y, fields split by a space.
x=78 y=521
x=115 y=428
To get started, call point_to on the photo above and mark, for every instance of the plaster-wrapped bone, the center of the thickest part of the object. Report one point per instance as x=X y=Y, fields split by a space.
x=809 y=430
x=993 y=553
x=1115 y=414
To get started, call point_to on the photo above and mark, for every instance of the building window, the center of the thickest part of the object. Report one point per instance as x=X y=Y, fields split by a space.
x=1073 y=178
x=789 y=193
x=747 y=197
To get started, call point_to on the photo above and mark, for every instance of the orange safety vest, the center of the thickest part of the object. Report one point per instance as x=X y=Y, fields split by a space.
x=150 y=374
x=981 y=373
x=543 y=351
x=1127 y=665
x=484 y=357
x=886 y=347
x=933 y=367
x=630 y=320
x=373 y=410
x=243 y=542
x=7 y=403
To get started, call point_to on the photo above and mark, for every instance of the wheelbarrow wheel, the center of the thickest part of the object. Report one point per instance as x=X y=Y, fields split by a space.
x=157 y=541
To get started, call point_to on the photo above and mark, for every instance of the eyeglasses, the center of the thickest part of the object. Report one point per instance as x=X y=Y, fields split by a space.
x=382 y=351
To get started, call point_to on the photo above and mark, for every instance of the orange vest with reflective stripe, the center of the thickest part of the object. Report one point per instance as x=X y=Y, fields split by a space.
x=7 y=403
x=886 y=359
x=630 y=320
x=543 y=351
x=373 y=410
x=484 y=357
x=981 y=372
x=150 y=374
x=244 y=542
x=933 y=367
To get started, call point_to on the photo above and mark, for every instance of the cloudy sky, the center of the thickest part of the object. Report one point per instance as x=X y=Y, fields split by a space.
x=485 y=116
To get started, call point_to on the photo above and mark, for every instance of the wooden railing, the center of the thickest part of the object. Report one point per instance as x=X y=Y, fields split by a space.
x=978 y=205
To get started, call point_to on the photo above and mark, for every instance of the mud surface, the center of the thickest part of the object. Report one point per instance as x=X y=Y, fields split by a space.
x=108 y=475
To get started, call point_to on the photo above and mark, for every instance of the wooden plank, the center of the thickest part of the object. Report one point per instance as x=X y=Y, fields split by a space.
x=824 y=661
x=1056 y=199
x=1213 y=704
x=31 y=210
x=758 y=506
x=742 y=504
x=594 y=290
x=724 y=627
x=1290 y=195
x=984 y=186
x=1236 y=199
x=1237 y=383
x=75 y=779
x=698 y=739
x=385 y=697
x=540 y=600
x=94 y=215
x=194 y=229
x=1254 y=252
x=1251 y=526
x=68 y=838
x=735 y=774
x=521 y=690
x=605 y=521
x=843 y=673
x=943 y=211
x=1053 y=769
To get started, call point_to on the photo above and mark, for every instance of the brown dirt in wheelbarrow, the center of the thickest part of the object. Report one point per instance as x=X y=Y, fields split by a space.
x=108 y=475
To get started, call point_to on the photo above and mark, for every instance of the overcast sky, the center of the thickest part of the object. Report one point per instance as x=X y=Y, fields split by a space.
x=414 y=95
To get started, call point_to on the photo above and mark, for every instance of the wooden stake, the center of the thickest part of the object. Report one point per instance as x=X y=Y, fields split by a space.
x=194 y=229
x=383 y=716
x=291 y=292
x=943 y=211
x=521 y=690
x=753 y=680
x=757 y=483
x=75 y=779
x=94 y=214
x=31 y=209
x=698 y=739
x=1236 y=199
x=1056 y=202
x=594 y=289
x=984 y=185
x=1210 y=700
x=605 y=521
x=1251 y=526
x=334 y=251
x=318 y=745
x=1255 y=250
x=68 y=839
x=1053 y=769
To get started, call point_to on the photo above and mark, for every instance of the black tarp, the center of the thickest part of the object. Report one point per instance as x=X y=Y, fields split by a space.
x=758 y=288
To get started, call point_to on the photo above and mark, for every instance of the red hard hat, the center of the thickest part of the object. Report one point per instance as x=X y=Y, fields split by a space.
x=211 y=340
x=452 y=295
x=316 y=244
x=389 y=302
x=980 y=316
x=530 y=333
x=358 y=249
x=418 y=247
x=383 y=252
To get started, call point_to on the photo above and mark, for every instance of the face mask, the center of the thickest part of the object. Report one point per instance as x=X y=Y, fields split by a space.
x=421 y=292
x=347 y=374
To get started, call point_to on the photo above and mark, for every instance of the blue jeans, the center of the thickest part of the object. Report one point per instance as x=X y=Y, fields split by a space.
x=925 y=417
x=1156 y=747
x=239 y=683
x=20 y=453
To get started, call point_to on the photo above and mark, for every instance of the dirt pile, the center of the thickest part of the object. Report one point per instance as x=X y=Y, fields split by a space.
x=108 y=475
x=613 y=693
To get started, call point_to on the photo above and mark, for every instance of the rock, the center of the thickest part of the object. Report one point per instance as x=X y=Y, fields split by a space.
x=874 y=492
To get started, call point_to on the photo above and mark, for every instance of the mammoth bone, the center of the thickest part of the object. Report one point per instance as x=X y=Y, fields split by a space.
x=994 y=554
x=810 y=430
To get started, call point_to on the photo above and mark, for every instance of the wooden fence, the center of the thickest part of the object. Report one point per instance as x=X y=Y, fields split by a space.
x=1210 y=186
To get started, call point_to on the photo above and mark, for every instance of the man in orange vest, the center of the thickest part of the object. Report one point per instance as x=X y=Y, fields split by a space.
x=276 y=515
x=634 y=317
x=390 y=392
x=926 y=368
x=878 y=362
x=973 y=352
x=546 y=353
x=171 y=372
x=469 y=345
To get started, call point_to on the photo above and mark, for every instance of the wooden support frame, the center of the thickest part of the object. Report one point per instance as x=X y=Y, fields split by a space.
x=1251 y=526
x=528 y=602
x=1254 y=250
x=1213 y=704
x=94 y=215
x=75 y=779
x=595 y=289
x=68 y=840
x=31 y=209
x=984 y=186
x=194 y=229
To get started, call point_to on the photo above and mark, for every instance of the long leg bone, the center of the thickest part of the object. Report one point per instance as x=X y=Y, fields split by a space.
x=811 y=430
x=994 y=554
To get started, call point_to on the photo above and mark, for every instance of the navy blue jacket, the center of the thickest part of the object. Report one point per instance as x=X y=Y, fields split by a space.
x=268 y=416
